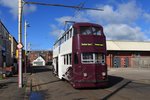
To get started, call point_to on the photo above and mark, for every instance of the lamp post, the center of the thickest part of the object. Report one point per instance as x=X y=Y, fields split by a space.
x=20 y=80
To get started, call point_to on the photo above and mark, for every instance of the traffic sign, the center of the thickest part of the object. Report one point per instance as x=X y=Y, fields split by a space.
x=20 y=46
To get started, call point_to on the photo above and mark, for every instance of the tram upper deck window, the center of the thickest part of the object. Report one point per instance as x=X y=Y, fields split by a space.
x=86 y=30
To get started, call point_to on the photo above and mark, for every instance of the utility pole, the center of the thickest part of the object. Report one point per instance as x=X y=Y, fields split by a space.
x=25 y=45
x=25 y=36
x=25 y=42
x=20 y=80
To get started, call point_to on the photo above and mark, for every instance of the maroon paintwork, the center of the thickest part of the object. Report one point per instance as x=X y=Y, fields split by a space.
x=94 y=71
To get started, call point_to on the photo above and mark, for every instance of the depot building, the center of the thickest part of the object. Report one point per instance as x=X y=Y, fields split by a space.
x=128 y=54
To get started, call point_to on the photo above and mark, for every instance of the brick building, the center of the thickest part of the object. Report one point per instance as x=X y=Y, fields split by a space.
x=128 y=54
x=8 y=47
x=5 y=44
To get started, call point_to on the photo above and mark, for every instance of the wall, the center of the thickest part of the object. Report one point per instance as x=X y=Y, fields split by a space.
x=125 y=58
x=46 y=55
x=5 y=45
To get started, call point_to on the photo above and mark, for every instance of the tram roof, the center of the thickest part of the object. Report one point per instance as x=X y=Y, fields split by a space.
x=113 y=45
x=77 y=24
x=86 y=23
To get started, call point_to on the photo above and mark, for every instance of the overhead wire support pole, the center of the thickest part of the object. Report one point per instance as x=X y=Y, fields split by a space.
x=61 y=5
x=20 y=9
x=25 y=44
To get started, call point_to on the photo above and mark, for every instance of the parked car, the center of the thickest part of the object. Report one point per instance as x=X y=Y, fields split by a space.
x=2 y=72
x=8 y=71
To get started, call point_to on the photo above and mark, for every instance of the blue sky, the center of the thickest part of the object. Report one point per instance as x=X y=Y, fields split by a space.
x=121 y=19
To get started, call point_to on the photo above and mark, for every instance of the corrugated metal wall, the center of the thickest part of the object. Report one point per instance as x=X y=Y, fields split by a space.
x=140 y=62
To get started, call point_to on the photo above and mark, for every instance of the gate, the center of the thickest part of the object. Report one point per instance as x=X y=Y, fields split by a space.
x=116 y=62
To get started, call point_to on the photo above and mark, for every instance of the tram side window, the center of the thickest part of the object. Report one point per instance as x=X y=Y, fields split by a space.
x=67 y=59
x=64 y=60
x=70 y=59
x=70 y=33
x=74 y=31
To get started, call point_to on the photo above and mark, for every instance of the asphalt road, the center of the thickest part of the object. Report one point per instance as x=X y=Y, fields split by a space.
x=124 y=84
x=120 y=87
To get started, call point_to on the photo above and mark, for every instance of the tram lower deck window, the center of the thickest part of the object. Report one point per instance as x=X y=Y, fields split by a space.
x=91 y=58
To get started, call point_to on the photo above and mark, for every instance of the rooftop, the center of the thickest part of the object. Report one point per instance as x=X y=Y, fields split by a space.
x=128 y=45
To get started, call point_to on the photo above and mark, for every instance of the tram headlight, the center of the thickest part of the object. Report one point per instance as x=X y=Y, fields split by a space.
x=103 y=73
x=85 y=74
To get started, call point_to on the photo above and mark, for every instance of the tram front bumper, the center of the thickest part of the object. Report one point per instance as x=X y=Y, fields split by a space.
x=90 y=83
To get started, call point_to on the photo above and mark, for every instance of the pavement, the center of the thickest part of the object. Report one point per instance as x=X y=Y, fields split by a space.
x=9 y=89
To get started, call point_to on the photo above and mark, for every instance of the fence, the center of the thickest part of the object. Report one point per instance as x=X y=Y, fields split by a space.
x=140 y=62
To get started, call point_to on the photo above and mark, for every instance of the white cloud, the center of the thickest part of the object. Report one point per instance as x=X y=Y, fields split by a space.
x=12 y=4
x=146 y=17
x=29 y=8
x=123 y=13
x=119 y=22
x=13 y=7
x=124 y=32
x=79 y=17
x=56 y=30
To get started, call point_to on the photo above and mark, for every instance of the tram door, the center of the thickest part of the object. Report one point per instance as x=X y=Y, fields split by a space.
x=57 y=65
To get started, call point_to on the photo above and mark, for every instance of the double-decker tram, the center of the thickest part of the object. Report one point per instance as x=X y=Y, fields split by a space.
x=79 y=56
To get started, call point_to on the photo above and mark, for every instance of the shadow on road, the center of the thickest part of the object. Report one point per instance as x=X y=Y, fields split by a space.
x=113 y=80
x=38 y=69
x=5 y=84
x=46 y=83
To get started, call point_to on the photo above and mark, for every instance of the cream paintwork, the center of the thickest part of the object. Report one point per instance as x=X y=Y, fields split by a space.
x=63 y=49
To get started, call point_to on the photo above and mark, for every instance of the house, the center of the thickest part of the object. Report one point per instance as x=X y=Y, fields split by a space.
x=38 y=62
x=46 y=55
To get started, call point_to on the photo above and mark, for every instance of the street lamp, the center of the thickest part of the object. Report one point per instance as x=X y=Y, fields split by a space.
x=20 y=80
